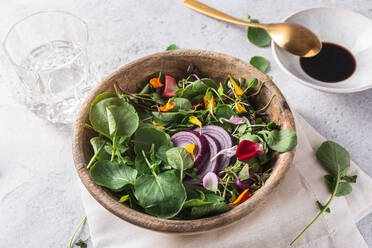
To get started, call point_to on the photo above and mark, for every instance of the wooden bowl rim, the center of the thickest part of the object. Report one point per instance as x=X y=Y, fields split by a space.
x=135 y=217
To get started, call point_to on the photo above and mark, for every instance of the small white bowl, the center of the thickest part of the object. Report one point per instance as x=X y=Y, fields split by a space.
x=343 y=27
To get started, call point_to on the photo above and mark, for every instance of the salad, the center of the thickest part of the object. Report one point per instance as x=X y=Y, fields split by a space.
x=184 y=149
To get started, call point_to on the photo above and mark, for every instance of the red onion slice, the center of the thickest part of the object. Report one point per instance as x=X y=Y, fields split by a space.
x=208 y=166
x=187 y=137
x=223 y=137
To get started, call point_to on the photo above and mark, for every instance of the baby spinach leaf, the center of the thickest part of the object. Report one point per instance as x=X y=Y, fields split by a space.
x=166 y=116
x=260 y=63
x=141 y=165
x=196 y=203
x=97 y=143
x=244 y=173
x=112 y=175
x=224 y=111
x=281 y=140
x=208 y=210
x=258 y=36
x=122 y=120
x=334 y=158
x=179 y=158
x=146 y=136
x=161 y=154
x=172 y=47
x=98 y=112
x=181 y=103
x=160 y=195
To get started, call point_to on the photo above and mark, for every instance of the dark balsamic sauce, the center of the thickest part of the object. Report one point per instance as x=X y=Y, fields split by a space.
x=332 y=64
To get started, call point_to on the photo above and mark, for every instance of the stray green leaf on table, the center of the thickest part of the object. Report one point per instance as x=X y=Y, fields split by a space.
x=260 y=63
x=258 y=36
x=172 y=47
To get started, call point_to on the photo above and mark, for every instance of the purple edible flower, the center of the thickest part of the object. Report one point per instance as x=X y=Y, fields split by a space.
x=240 y=184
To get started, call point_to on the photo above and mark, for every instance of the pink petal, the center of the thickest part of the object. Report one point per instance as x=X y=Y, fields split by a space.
x=236 y=120
x=210 y=181
x=240 y=184
x=170 y=86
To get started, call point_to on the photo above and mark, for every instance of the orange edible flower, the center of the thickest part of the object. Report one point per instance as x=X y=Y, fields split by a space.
x=239 y=108
x=209 y=104
x=196 y=106
x=168 y=106
x=155 y=82
x=237 y=89
x=242 y=197
x=157 y=124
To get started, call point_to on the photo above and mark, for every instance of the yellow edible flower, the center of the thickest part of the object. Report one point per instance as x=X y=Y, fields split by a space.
x=157 y=124
x=190 y=148
x=195 y=120
x=239 y=108
x=238 y=90
x=168 y=106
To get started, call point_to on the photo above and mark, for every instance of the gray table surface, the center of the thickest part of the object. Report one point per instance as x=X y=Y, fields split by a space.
x=40 y=202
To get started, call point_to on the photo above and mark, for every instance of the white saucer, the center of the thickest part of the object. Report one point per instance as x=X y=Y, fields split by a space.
x=343 y=27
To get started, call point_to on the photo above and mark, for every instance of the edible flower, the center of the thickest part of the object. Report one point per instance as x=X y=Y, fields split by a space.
x=210 y=181
x=168 y=106
x=237 y=89
x=209 y=104
x=239 y=108
x=190 y=149
x=240 y=184
x=236 y=120
x=242 y=197
x=247 y=149
x=195 y=120
x=155 y=82
x=157 y=125
x=194 y=107
x=170 y=86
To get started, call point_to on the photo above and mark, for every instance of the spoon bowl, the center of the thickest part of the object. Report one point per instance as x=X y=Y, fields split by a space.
x=291 y=37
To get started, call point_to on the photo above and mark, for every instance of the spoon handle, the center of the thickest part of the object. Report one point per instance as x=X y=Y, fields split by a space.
x=202 y=8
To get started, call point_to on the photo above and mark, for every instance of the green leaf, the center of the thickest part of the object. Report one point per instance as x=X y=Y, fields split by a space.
x=220 y=89
x=224 y=111
x=260 y=63
x=248 y=136
x=321 y=207
x=252 y=83
x=146 y=136
x=112 y=175
x=281 y=140
x=181 y=103
x=350 y=179
x=334 y=158
x=123 y=120
x=166 y=116
x=208 y=210
x=244 y=173
x=98 y=112
x=81 y=243
x=343 y=188
x=160 y=195
x=179 y=158
x=124 y=198
x=97 y=143
x=172 y=47
x=258 y=36
x=141 y=165
x=196 y=203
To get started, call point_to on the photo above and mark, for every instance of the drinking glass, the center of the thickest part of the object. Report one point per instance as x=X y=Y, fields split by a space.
x=49 y=53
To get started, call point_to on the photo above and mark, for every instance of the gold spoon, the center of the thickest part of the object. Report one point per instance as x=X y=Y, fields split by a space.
x=292 y=37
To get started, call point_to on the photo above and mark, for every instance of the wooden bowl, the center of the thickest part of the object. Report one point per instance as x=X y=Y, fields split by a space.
x=133 y=77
